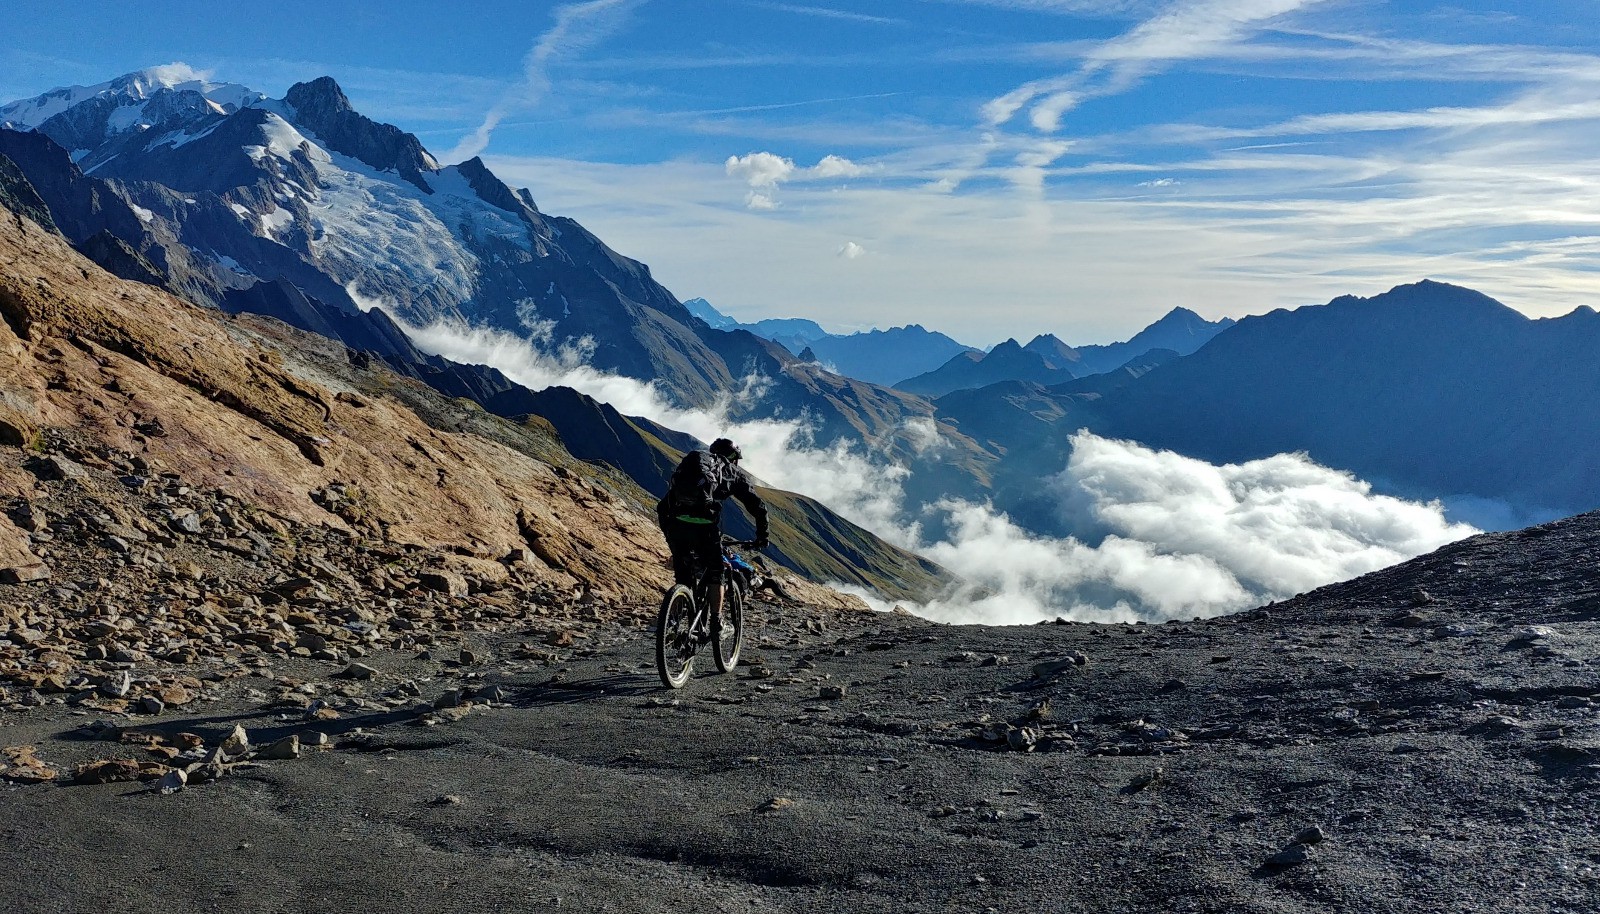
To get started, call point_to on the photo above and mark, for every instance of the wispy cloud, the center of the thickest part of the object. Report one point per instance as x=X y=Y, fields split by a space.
x=829 y=13
x=1185 y=31
x=578 y=26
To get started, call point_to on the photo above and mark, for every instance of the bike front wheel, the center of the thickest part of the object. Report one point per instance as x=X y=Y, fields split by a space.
x=675 y=645
x=727 y=628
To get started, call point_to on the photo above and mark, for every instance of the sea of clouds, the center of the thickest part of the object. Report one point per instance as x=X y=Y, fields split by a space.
x=1157 y=535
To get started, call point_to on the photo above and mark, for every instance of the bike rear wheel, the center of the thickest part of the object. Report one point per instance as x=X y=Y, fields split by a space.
x=727 y=628
x=675 y=645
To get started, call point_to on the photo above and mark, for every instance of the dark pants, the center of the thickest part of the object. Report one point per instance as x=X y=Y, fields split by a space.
x=695 y=547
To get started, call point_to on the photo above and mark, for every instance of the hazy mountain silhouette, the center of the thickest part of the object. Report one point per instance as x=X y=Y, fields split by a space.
x=1047 y=360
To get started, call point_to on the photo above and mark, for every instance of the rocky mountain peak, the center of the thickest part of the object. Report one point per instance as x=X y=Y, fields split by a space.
x=318 y=99
x=322 y=107
x=494 y=191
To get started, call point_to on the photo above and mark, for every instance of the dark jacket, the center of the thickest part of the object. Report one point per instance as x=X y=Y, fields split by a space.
x=728 y=481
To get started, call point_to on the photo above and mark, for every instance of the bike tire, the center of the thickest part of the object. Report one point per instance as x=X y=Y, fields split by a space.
x=675 y=646
x=727 y=628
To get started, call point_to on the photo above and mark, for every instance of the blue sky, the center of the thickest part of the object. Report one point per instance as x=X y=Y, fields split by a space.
x=988 y=168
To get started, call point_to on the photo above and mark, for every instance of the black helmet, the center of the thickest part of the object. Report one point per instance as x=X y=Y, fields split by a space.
x=722 y=447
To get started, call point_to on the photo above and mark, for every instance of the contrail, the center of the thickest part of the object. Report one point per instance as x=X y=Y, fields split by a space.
x=578 y=26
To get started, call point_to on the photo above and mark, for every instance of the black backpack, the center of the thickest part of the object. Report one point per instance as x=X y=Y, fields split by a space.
x=696 y=485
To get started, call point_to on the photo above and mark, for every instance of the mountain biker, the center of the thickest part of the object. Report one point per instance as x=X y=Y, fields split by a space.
x=690 y=513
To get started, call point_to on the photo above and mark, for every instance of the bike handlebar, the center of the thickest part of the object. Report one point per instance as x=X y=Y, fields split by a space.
x=741 y=544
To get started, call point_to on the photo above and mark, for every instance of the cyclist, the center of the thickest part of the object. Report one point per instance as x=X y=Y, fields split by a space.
x=691 y=512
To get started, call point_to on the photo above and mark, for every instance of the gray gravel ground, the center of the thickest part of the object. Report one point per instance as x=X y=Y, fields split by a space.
x=1421 y=739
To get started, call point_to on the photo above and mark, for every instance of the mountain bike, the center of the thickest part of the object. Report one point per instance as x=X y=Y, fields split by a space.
x=686 y=621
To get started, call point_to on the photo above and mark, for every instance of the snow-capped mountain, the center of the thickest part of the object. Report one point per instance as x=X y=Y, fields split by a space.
x=355 y=213
x=85 y=119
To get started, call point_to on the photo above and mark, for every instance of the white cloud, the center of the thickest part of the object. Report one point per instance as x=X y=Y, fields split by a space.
x=1169 y=537
x=764 y=171
x=851 y=250
x=760 y=169
x=833 y=166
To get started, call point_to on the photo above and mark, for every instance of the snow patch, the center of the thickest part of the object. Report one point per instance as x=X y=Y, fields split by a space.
x=184 y=137
x=276 y=220
x=126 y=118
x=144 y=214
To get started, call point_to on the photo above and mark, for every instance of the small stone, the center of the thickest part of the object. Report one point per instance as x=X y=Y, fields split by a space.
x=1022 y=739
x=831 y=691
x=321 y=710
x=20 y=764
x=1292 y=855
x=150 y=704
x=357 y=671
x=60 y=468
x=188 y=522
x=448 y=799
x=1144 y=781
x=1051 y=668
x=237 y=743
x=172 y=782
x=445 y=582
x=1311 y=834
x=116 y=686
x=25 y=574
x=316 y=739
x=450 y=699
x=109 y=771
x=776 y=804
x=281 y=750
x=175 y=696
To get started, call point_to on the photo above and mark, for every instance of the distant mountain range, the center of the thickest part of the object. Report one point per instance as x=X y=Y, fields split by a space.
x=1047 y=360
x=875 y=356
x=1427 y=391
